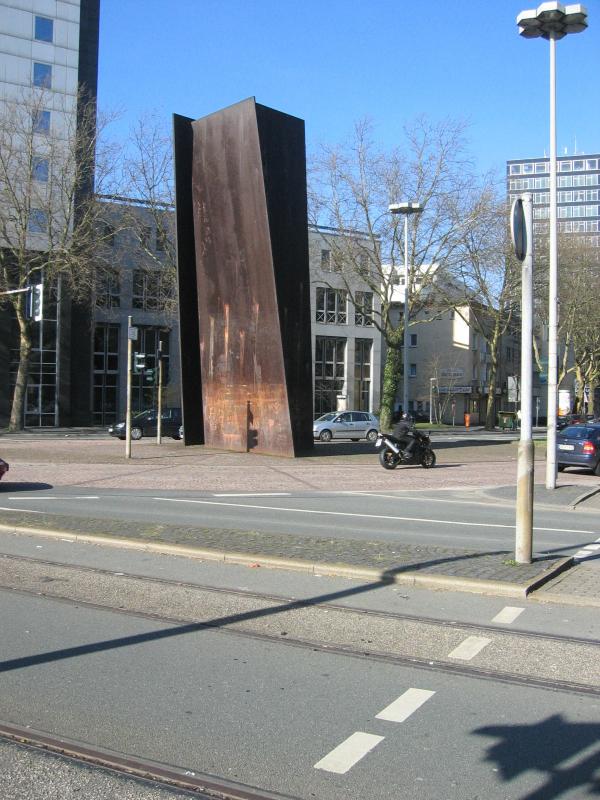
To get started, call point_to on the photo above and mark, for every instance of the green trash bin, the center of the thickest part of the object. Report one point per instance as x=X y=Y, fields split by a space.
x=507 y=419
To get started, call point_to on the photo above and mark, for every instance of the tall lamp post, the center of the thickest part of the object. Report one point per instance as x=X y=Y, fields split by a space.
x=406 y=209
x=552 y=21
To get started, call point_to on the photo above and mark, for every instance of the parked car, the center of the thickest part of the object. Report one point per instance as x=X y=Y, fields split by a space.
x=3 y=467
x=579 y=446
x=353 y=425
x=144 y=424
x=569 y=419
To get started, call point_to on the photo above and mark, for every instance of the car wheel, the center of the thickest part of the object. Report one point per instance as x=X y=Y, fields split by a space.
x=136 y=433
x=371 y=435
x=597 y=470
x=561 y=467
x=325 y=436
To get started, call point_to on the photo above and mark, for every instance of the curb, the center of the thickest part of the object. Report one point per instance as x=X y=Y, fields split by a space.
x=408 y=577
x=585 y=496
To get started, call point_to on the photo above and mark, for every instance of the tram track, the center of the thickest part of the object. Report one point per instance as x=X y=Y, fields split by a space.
x=317 y=623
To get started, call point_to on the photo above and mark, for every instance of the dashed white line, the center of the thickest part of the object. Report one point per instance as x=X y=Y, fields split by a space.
x=405 y=705
x=56 y=497
x=508 y=614
x=468 y=649
x=349 y=752
x=20 y=510
x=251 y=494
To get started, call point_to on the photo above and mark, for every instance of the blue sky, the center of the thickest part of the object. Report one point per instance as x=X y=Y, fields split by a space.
x=332 y=62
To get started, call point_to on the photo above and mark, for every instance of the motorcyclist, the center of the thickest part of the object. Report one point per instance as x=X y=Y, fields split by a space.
x=402 y=431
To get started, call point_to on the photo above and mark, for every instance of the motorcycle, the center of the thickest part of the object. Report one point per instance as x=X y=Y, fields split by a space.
x=391 y=455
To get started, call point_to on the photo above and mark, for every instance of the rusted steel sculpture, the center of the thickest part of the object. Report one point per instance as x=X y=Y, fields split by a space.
x=246 y=353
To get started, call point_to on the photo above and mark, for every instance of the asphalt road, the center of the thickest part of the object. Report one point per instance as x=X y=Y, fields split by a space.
x=447 y=518
x=268 y=706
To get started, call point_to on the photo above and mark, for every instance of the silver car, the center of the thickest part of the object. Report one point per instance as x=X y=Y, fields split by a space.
x=353 y=425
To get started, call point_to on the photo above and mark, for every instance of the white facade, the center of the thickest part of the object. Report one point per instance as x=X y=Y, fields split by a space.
x=346 y=346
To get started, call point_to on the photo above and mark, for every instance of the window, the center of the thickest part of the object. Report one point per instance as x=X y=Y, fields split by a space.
x=578 y=166
x=41 y=122
x=331 y=306
x=44 y=29
x=38 y=221
x=39 y=169
x=362 y=373
x=363 y=308
x=161 y=240
x=106 y=374
x=412 y=371
x=541 y=167
x=106 y=234
x=565 y=166
x=527 y=168
x=147 y=290
x=146 y=237
x=413 y=339
x=42 y=75
x=363 y=265
x=330 y=359
x=108 y=289
x=326 y=260
x=515 y=169
x=591 y=163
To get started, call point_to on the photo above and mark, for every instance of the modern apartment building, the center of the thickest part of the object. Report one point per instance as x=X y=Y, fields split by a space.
x=48 y=53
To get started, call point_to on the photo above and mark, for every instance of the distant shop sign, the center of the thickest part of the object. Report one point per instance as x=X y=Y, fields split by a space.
x=455 y=390
x=448 y=372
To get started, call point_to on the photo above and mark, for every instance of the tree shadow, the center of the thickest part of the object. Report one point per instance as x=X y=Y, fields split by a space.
x=386 y=578
x=24 y=486
x=550 y=747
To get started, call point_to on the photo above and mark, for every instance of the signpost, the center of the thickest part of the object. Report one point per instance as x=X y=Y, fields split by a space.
x=521 y=229
x=132 y=335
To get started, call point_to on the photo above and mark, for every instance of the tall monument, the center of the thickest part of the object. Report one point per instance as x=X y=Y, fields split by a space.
x=244 y=294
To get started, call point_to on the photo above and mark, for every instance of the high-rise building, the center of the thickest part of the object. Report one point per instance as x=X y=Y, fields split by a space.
x=578 y=188
x=49 y=51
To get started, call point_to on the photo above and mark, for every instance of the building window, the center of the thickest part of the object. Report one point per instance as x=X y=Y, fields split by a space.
x=108 y=289
x=363 y=308
x=41 y=121
x=44 y=29
x=147 y=290
x=515 y=169
x=106 y=374
x=413 y=339
x=331 y=306
x=412 y=371
x=591 y=163
x=326 y=260
x=330 y=359
x=39 y=169
x=146 y=237
x=42 y=75
x=38 y=221
x=362 y=373
x=161 y=240
x=106 y=234
x=578 y=166
x=565 y=166
x=145 y=386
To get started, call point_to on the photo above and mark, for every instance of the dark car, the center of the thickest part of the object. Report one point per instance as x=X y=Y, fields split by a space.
x=569 y=419
x=579 y=446
x=3 y=467
x=144 y=424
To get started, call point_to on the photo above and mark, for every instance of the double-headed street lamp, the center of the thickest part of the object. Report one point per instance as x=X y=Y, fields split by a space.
x=407 y=209
x=552 y=21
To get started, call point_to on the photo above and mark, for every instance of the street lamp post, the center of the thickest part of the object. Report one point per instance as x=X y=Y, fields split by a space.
x=552 y=21
x=431 y=382
x=406 y=209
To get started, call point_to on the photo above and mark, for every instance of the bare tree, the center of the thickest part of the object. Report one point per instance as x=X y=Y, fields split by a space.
x=486 y=292
x=50 y=227
x=351 y=187
x=148 y=186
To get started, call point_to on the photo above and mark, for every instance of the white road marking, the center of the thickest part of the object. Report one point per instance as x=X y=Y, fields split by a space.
x=279 y=509
x=349 y=752
x=405 y=705
x=251 y=494
x=20 y=510
x=57 y=497
x=469 y=648
x=508 y=614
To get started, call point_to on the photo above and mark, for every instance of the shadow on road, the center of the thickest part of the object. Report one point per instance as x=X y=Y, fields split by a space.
x=23 y=486
x=550 y=747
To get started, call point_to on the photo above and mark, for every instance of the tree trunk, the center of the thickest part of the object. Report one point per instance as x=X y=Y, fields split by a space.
x=490 y=422
x=391 y=381
x=18 y=403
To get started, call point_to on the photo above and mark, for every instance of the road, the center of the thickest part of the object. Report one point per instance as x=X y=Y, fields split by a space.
x=217 y=672
x=447 y=518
